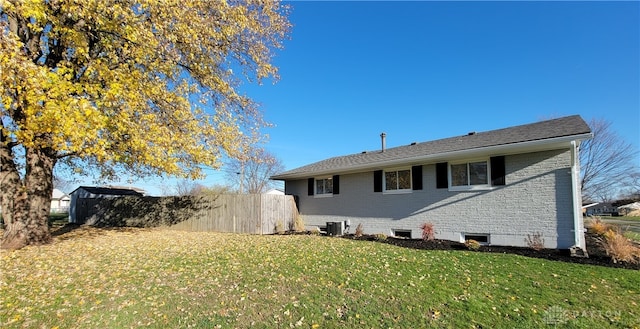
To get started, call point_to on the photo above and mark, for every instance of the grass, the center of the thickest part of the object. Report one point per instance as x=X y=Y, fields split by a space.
x=92 y=278
x=635 y=218
x=596 y=225
x=635 y=236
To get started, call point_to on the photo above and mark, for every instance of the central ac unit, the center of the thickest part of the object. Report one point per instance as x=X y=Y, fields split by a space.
x=335 y=228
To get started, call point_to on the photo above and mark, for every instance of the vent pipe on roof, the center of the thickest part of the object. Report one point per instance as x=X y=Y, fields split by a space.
x=383 y=138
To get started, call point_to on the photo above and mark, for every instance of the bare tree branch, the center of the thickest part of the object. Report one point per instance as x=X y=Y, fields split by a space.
x=606 y=163
x=252 y=173
x=188 y=187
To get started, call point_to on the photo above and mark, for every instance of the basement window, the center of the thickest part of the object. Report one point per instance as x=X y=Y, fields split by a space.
x=482 y=238
x=402 y=233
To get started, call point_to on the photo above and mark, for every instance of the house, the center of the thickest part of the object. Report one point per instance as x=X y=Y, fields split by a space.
x=497 y=187
x=85 y=198
x=275 y=191
x=585 y=208
x=59 y=201
x=631 y=209
x=600 y=209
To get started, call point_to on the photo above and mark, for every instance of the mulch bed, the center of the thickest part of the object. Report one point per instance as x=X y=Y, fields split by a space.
x=597 y=254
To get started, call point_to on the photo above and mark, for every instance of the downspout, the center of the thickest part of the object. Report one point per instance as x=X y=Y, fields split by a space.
x=578 y=224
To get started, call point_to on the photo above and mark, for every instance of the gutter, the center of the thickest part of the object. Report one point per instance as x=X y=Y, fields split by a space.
x=590 y=205
x=579 y=248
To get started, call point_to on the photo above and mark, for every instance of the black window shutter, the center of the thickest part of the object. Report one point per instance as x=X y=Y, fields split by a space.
x=416 y=177
x=336 y=184
x=497 y=170
x=310 y=188
x=377 y=181
x=441 y=175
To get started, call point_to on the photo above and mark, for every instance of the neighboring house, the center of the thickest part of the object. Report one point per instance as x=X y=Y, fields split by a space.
x=496 y=187
x=59 y=201
x=631 y=208
x=601 y=208
x=275 y=191
x=585 y=208
x=85 y=198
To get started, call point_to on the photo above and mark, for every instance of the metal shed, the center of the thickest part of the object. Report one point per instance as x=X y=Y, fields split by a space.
x=85 y=198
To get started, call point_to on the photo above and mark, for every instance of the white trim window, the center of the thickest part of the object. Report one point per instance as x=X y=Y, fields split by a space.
x=469 y=175
x=397 y=180
x=324 y=186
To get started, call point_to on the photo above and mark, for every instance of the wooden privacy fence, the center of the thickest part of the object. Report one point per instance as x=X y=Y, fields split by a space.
x=239 y=213
x=244 y=213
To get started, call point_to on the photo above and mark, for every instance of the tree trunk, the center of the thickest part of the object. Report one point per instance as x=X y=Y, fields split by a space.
x=9 y=180
x=27 y=201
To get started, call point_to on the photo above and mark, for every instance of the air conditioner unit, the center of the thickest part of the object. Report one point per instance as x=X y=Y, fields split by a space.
x=330 y=228
x=335 y=228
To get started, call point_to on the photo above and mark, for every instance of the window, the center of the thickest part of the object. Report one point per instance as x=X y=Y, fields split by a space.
x=469 y=174
x=482 y=238
x=402 y=233
x=397 y=180
x=324 y=186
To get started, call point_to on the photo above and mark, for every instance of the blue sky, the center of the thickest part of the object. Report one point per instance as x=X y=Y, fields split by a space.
x=420 y=71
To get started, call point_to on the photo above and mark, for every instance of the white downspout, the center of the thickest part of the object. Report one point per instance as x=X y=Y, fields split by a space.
x=578 y=223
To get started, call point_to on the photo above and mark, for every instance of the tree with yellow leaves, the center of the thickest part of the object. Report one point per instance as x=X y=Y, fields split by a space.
x=144 y=87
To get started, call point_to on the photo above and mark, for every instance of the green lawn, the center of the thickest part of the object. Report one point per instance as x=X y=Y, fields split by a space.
x=92 y=278
x=632 y=235
x=635 y=218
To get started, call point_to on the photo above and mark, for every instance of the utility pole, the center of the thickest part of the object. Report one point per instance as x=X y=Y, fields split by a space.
x=241 y=173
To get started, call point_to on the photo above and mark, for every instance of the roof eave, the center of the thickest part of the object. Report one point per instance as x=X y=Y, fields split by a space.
x=503 y=149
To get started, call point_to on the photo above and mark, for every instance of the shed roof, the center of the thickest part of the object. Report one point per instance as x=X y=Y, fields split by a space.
x=108 y=191
x=542 y=134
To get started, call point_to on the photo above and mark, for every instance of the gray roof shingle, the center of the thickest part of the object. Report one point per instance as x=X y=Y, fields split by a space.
x=562 y=127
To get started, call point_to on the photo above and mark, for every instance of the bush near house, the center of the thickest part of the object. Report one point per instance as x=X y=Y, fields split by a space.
x=380 y=236
x=620 y=248
x=535 y=241
x=618 y=244
x=298 y=224
x=428 y=233
x=359 y=230
x=472 y=244
x=597 y=226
